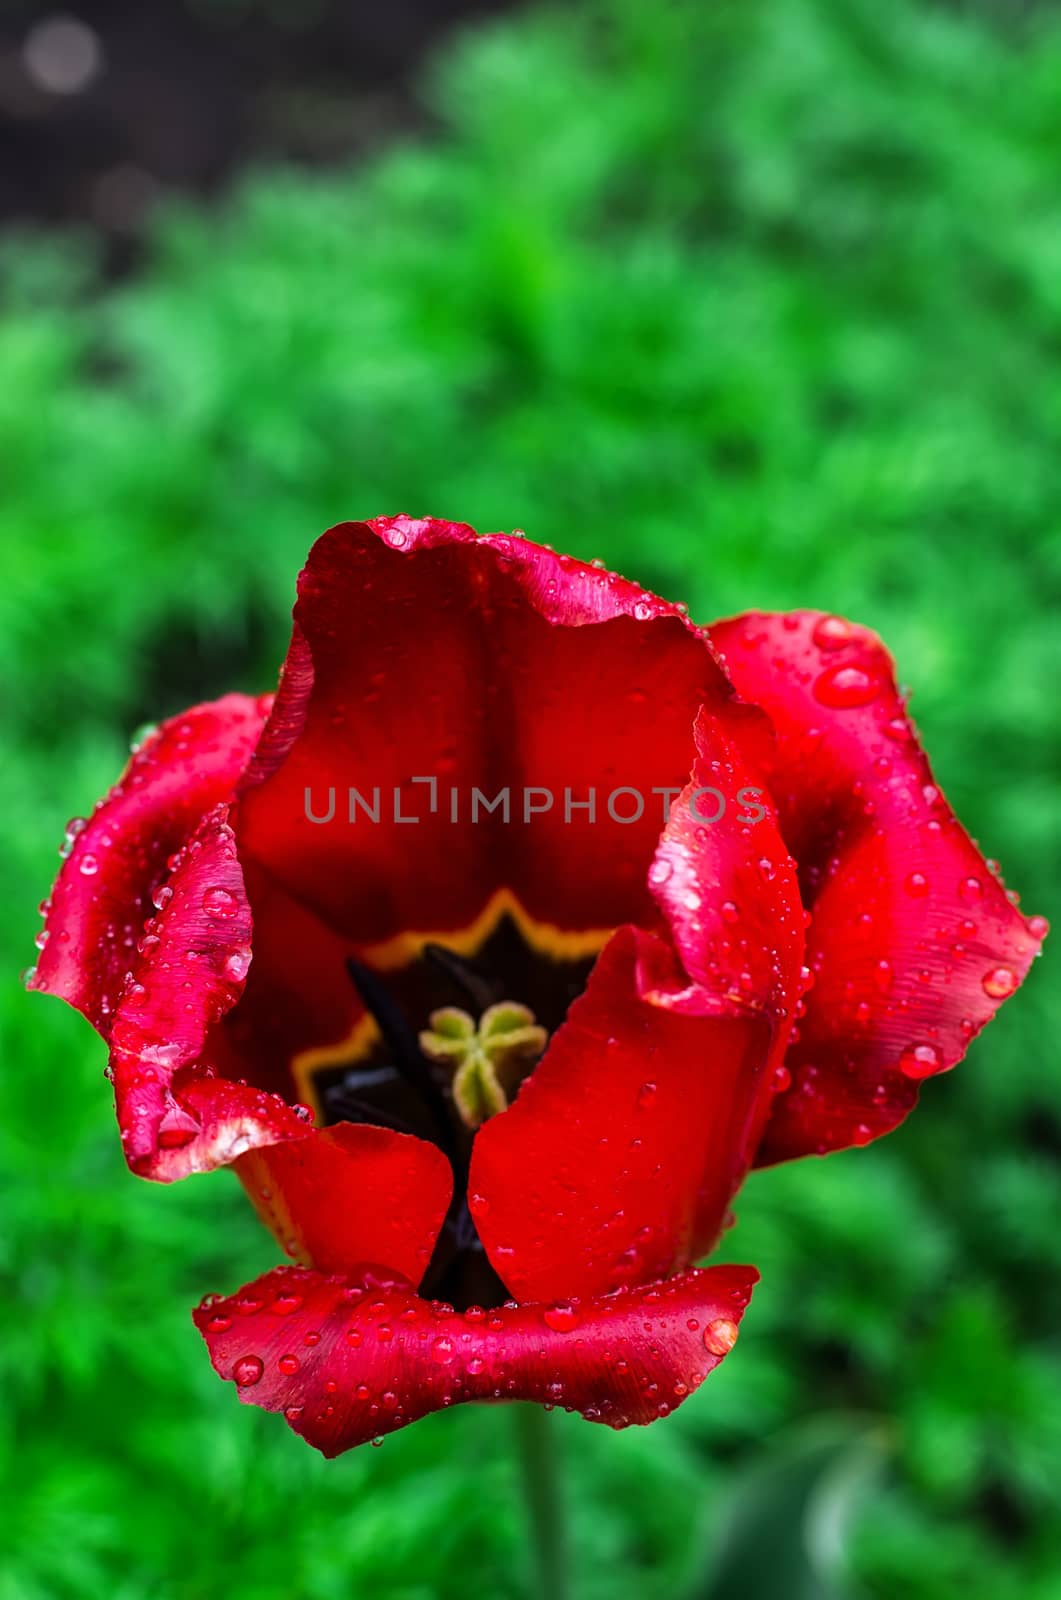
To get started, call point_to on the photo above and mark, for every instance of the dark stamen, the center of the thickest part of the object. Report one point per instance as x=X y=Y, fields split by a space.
x=470 y=979
x=404 y=1047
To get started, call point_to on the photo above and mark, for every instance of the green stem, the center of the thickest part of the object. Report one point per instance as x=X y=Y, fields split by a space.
x=536 y=1447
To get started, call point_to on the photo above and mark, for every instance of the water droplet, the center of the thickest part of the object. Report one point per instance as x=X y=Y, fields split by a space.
x=75 y=826
x=647 y=1093
x=177 y=1129
x=730 y=912
x=248 y=1371
x=237 y=964
x=899 y=730
x=660 y=871
x=219 y=1325
x=561 y=1317
x=970 y=889
x=442 y=1350
x=289 y=1365
x=720 y=1336
x=920 y=1061
x=917 y=885
x=88 y=866
x=999 y=982
x=1038 y=927
x=831 y=633
x=220 y=903
x=845 y=687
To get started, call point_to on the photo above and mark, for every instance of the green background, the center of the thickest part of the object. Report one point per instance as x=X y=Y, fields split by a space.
x=761 y=304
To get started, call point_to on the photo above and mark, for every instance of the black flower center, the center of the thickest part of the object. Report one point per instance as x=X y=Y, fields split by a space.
x=395 y=1083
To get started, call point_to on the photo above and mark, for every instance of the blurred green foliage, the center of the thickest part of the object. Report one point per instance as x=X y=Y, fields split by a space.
x=761 y=303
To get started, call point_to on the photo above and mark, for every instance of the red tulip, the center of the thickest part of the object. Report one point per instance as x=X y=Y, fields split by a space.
x=493 y=1069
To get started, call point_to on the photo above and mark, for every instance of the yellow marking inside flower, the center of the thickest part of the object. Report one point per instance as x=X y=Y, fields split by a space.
x=545 y=938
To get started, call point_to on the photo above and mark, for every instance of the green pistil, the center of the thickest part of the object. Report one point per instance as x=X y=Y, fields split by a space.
x=486 y=1059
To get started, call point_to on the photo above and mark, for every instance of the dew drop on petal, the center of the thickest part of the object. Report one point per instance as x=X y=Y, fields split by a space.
x=999 y=982
x=220 y=903
x=177 y=1129
x=920 y=1061
x=561 y=1317
x=831 y=633
x=237 y=964
x=845 y=687
x=970 y=889
x=720 y=1336
x=75 y=826
x=248 y=1371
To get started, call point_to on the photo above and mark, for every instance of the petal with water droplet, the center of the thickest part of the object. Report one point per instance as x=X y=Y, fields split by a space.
x=621 y=1359
x=904 y=978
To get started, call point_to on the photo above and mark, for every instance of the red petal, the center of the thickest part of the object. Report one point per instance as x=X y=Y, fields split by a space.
x=351 y=1359
x=727 y=885
x=351 y=1194
x=333 y=1198
x=480 y=663
x=102 y=896
x=174 y=1116
x=622 y=1151
x=913 y=940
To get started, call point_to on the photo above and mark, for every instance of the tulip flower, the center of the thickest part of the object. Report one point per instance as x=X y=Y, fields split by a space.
x=496 y=949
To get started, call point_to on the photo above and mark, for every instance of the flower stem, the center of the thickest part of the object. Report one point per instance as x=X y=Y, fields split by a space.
x=536 y=1447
